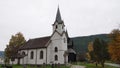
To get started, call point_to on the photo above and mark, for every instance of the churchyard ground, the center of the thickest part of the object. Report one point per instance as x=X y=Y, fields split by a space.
x=29 y=66
x=92 y=65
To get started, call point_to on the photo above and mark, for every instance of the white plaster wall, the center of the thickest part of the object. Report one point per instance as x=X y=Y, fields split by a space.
x=64 y=46
x=54 y=26
x=36 y=59
x=41 y=61
x=25 y=59
x=14 y=62
x=57 y=41
x=59 y=29
x=1 y=60
x=49 y=54
x=31 y=61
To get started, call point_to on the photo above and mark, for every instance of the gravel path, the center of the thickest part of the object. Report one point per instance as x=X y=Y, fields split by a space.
x=77 y=66
x=111 y=64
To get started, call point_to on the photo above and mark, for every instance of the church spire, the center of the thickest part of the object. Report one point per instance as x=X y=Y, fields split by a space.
x=58 y=16
x=58 y=24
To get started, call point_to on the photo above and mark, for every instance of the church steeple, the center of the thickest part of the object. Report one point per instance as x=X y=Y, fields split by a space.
x=58 y=16
x=58 y=24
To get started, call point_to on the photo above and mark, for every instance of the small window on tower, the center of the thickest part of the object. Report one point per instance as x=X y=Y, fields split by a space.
x=56 y=26
x=56 y=49
x=62 y=27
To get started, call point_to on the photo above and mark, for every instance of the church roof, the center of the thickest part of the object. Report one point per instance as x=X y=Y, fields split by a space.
x=58 y=16
x=36 y=43
x=70 y=50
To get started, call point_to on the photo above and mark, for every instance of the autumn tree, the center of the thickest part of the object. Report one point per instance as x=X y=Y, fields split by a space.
x=90 y=51
x=100 y=51
x=114 y=45
x=15 y=42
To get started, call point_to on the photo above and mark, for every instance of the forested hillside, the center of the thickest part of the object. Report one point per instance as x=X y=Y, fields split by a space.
x=2 y=54
x=81 y=43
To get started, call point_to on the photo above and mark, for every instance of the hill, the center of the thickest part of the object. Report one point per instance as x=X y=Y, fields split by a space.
x=2 y=54
x=81 y=43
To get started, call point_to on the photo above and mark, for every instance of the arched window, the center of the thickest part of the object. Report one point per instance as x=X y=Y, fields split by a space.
x=32 y=55
x=56 y=49
x=56 y=58
x=41 y=54
x=23 y=53
x=56 y=26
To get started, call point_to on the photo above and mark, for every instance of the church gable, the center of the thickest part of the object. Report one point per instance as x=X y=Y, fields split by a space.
x=56 y=35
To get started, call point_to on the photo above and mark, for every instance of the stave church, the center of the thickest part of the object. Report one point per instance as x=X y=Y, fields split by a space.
x=57 y=48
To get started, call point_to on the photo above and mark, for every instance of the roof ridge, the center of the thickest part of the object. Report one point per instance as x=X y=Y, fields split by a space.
x=40 y=37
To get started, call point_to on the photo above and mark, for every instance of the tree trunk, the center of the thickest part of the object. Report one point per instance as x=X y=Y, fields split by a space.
x=102 y=63
x=18 y=62
x=96 y=64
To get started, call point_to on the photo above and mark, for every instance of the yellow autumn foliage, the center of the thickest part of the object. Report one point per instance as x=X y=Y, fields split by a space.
x=114 y=45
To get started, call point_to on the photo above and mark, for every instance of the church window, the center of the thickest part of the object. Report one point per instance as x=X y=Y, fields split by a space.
x=56 y=58
x=32 y=54
x=56 y=49
x=62 y=27
x=41 y=54
x=56 y=26
x=23 y=53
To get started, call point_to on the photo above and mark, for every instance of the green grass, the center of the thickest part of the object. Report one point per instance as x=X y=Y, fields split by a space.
x=92 y=65
x=28 y=66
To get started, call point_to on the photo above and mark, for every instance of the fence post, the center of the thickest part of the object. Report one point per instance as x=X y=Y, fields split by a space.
x=44 y=65
x=52 y=65
x=58 y=65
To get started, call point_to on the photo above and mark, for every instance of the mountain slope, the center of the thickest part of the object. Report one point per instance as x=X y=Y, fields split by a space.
x=2 y=54
x=81 y=43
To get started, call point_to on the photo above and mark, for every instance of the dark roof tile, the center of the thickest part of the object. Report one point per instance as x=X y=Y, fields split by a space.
x=35 y=43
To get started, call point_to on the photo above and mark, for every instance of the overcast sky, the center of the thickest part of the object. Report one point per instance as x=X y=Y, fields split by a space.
x=34 y=18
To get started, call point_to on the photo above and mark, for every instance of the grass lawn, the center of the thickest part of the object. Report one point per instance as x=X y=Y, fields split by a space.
x=91 y=65
x=28 y=66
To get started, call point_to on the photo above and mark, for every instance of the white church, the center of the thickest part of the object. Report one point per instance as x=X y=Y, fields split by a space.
x=51 y=49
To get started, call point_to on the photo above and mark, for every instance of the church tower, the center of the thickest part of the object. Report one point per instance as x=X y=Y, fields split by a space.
x=58 y=45
x=58 y=24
